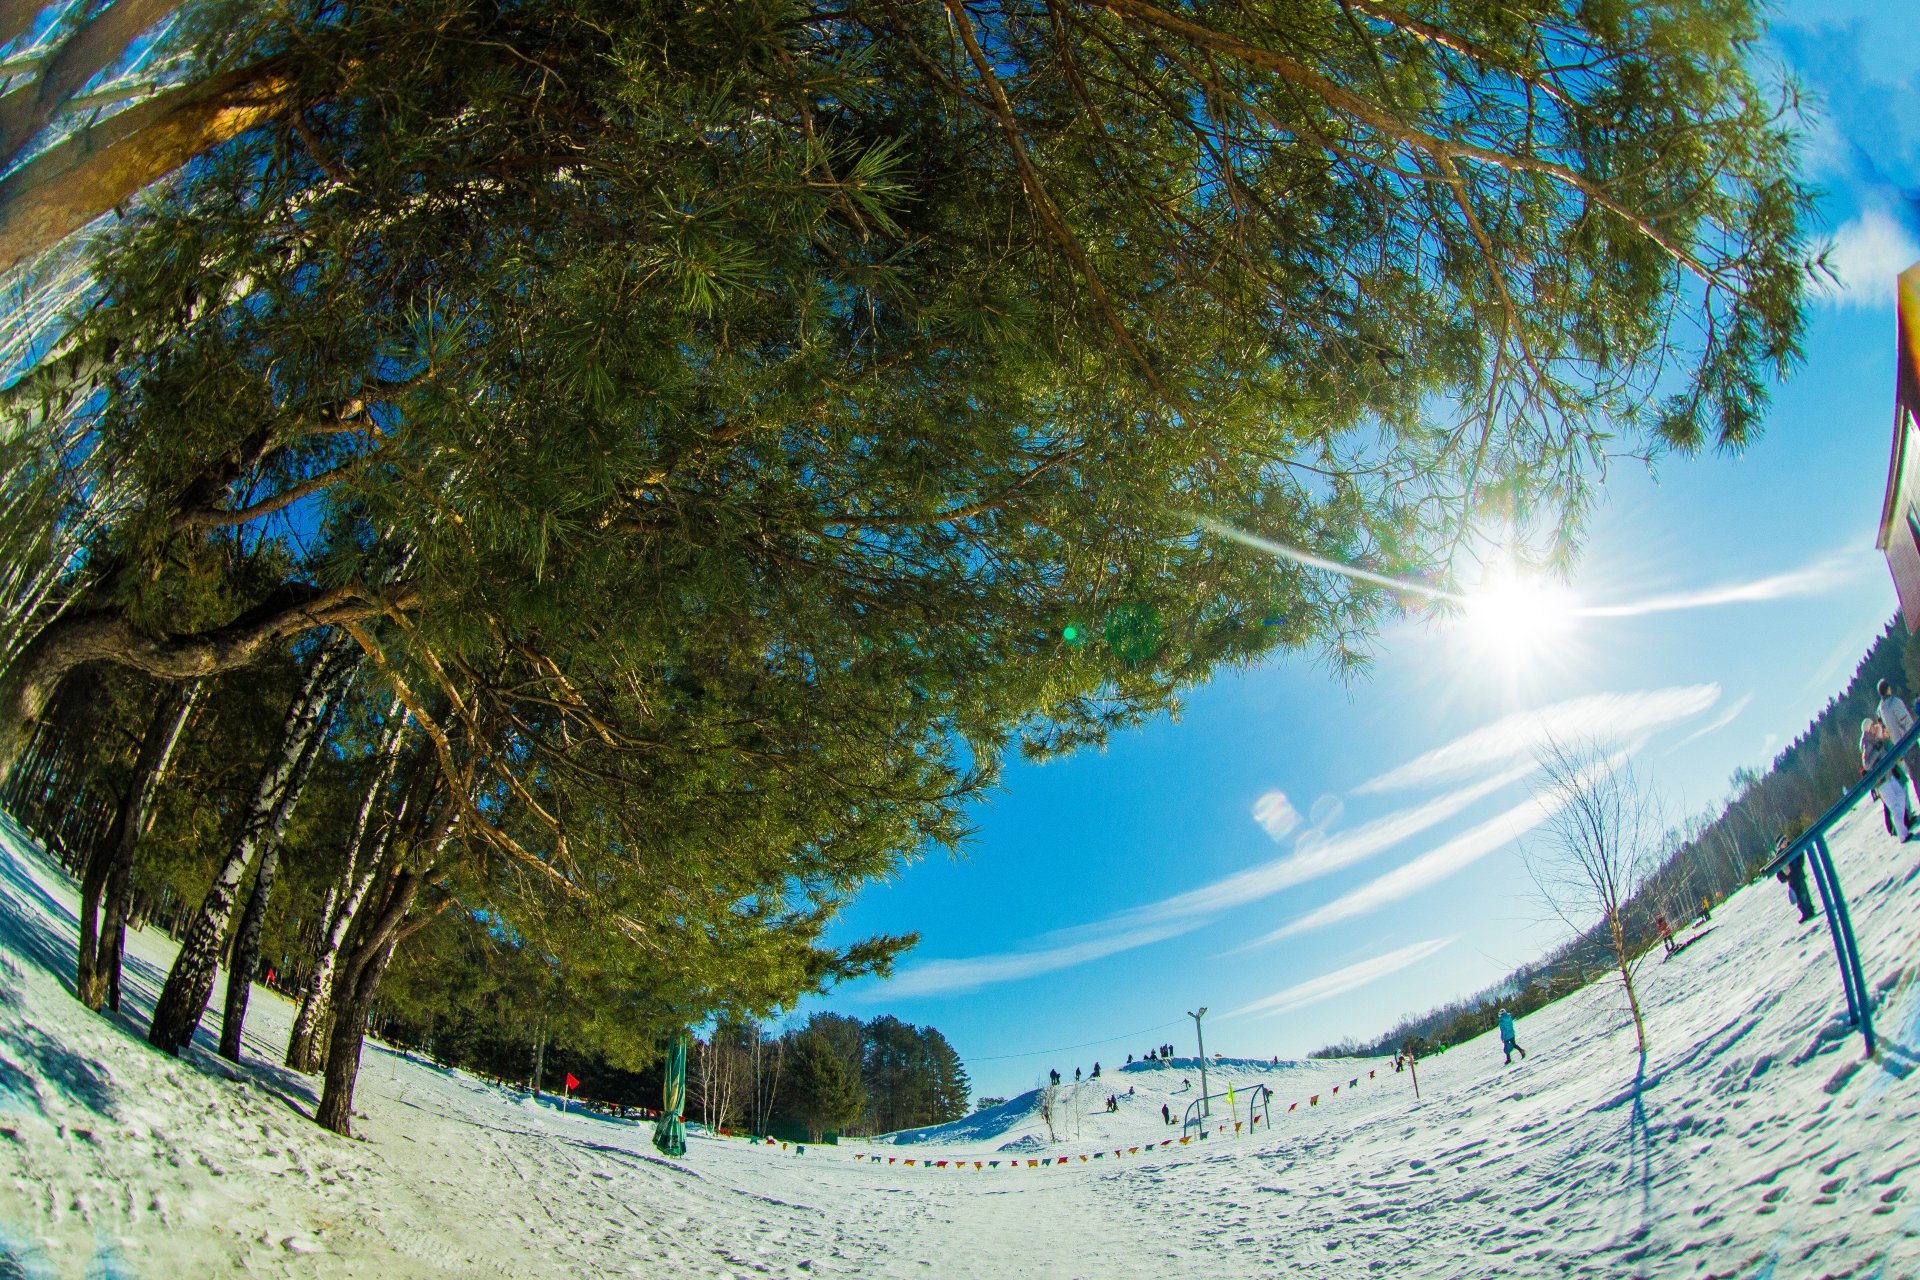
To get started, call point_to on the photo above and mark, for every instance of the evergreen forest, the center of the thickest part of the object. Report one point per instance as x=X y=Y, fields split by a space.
x=514 y=512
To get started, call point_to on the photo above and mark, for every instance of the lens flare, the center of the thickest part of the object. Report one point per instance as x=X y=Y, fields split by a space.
x=1521 y=617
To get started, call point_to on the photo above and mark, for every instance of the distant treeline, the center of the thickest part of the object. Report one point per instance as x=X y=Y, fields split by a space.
x=1707 y=857
x=834 y=1074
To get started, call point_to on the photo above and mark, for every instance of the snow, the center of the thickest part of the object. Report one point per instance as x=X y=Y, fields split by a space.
x=1756 y=1142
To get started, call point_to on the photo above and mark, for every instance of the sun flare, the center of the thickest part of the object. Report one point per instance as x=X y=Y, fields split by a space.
x=1521 y=617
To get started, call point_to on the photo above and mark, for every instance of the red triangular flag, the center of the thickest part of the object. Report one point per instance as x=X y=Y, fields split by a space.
x=571 y=1082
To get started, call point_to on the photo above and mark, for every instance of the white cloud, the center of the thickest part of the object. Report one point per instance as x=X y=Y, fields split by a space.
x=1830 y=573
x=1522 y=734
x=1866 y=254
x=1341 y=981
x=1315 y=854
x=943 y=977
x=1275 y=814
x=1429 y=868
x=1720 y=721
x=1312 y=859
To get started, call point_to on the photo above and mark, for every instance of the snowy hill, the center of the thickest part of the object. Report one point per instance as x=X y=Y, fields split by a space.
x=1140 y=1089
x=1755 y=1142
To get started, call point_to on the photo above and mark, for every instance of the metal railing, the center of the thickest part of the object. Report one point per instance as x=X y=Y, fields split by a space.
x=1812 y=845
x=1259 y=1100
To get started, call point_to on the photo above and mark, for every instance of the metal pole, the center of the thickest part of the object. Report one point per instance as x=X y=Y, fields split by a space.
x=1205 y=1108
x=1852 y=957
x=1819 y=868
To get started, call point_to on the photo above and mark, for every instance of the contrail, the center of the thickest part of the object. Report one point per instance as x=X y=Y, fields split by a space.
x=1827 y=574
x=1320 y=562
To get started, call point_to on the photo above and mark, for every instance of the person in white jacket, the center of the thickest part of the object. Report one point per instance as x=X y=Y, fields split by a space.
x=1897 y=716
x=1892 y=790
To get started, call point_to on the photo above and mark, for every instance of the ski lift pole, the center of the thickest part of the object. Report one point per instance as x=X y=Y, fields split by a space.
x=1200 y=1035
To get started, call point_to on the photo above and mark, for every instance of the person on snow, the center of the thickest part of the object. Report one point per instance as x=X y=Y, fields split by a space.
x=1894 y=713
x=1506 y=1038
x=1794 y=875
x=1166 y=1113
x=1892 y=790
x=1096 y=1072
x=1076 y=1075
x=1055 y=1075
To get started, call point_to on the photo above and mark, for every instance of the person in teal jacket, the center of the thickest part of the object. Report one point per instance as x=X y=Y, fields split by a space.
x=1506 y=1037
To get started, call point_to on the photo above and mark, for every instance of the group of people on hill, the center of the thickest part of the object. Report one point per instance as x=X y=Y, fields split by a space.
x=1158 y=1054
x=1892 y=721
x=1878 y=733
x=1054 y=1075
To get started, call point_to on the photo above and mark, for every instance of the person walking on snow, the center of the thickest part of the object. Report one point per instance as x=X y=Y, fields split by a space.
x=1892 y=790
x=1166 y=1113
x=1506 y=1038
x=1794 y=876
x=1893 y=712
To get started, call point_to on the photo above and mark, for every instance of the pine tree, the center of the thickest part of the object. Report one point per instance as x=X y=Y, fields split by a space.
x=822 y=1089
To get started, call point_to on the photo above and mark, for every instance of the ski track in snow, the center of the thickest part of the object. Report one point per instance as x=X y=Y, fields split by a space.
x=1755 y=1143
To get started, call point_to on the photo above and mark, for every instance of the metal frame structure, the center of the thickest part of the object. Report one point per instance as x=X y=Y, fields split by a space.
x=1259 y=1110
x=1812 y=845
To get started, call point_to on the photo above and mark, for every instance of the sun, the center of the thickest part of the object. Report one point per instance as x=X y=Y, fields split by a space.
x=1519 y=617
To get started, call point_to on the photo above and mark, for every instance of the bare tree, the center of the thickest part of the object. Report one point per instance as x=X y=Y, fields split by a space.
x=1602 y=835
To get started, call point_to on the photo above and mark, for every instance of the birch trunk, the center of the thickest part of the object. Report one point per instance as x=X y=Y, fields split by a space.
x=184 y=998
x=104 y=896
x=303 y=1046
x=246 y=942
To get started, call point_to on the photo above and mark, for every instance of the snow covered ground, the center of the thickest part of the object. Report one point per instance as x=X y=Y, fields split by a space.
x=1757 y=1143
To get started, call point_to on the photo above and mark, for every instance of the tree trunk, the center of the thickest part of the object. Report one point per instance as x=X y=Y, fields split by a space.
x=98 y=43
x=539 y=1054
x=246 y=942
x=190 y=982
x=359 y=983
x=303 y=1046
x=103 y=165
x=1633 y=1003
x=98 y=965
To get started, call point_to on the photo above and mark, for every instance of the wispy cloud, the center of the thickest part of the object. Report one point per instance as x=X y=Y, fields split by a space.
x=946 y=977
x=1275 y=814
x=1522 y=734
x=1341 y=981
x=1429 y=868
x=1316 y=858
x=1829 y=573
x=1868 y=252
x=1184 y=912
x=1720 y=721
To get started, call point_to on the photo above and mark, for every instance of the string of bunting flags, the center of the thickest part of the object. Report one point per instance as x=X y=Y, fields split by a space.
x=1055 y=1162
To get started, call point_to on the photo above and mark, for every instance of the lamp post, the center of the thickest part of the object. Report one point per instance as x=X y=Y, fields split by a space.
x=1199 y=1035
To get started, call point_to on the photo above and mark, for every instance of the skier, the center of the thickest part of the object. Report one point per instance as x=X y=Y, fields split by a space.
x=1506 y=1037
x=1794 y=876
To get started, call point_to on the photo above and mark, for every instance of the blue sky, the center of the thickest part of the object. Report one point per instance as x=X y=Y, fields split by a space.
x=1311 y=859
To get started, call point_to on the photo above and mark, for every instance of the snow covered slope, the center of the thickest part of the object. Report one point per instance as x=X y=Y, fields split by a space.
x=1081 y=1118
x=1756 y=1142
